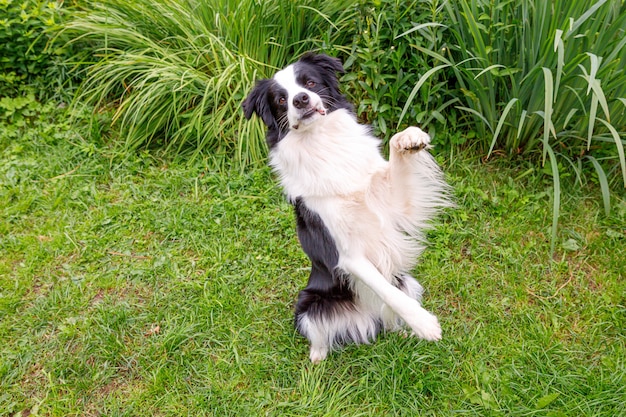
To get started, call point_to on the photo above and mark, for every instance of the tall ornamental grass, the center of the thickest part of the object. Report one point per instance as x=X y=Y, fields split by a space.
x=177 y=71
x=541 y=77
x=541 y=74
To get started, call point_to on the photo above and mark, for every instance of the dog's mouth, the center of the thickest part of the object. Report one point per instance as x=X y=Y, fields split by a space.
x=310 y=113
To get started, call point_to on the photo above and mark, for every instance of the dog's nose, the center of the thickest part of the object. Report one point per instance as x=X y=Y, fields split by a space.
x=301 y=100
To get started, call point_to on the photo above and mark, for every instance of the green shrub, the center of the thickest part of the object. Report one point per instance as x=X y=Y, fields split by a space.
x=545 y=78
x=535 y=73
x=30 y=54
x=533 y=78
x=384 y=68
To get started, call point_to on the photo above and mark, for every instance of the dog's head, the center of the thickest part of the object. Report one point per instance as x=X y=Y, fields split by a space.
x=297 y=96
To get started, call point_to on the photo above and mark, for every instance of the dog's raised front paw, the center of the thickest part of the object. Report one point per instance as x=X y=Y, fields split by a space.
x=411 y=139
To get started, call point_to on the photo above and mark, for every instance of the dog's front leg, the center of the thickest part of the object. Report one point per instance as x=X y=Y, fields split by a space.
x=411 y=168
x=424 y=324
x=410 y=140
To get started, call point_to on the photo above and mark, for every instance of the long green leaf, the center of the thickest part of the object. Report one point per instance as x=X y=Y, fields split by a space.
x=488 y=69
x=569 y=116
x=604 y=184
x=505 y=112
x=556 y=201
x=593 y=109
x=416 y=88
x=547 y=117
x=418 y=27
x=597 y=90
x=582 y=19
x=619 y=146
x=522 y=119
x=560 y=61
x=476 y=113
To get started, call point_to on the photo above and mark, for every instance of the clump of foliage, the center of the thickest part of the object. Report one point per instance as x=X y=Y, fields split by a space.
x=532 y=78
x=178 y=70
x=534 y=72
x=30 y=53
x=543 y=78
x=386 y=73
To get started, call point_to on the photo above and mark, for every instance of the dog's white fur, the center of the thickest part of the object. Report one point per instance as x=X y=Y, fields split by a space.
x=375 y=210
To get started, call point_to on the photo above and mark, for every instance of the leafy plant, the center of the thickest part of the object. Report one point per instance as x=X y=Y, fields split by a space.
x=532 y=78
x=533 y=73
x=15 y=110
x=179 y=70
x=384 y=68
x=30 y=54
x=541 y=77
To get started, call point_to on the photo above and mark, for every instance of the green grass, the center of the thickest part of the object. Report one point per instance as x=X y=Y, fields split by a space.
x=177 y=71
x=148 y=287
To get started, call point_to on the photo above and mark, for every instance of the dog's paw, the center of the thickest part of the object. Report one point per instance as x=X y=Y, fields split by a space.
x=426 y=326
x=411 y=139
x=318 y=354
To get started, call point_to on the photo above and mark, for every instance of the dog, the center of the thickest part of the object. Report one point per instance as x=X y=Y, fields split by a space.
x=359 y=217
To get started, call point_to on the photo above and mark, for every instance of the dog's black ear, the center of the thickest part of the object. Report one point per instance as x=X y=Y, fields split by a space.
x=324 y=61
x=257 y=102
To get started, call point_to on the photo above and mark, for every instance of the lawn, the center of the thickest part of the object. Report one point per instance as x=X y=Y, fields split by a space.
x=143 y=286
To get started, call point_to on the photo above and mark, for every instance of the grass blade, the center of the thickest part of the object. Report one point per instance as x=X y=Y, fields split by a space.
x=547 y=116
x=619 y=145
x=418 y=27
x=593 y=109
x=604 y=184
x=568 y=118
x=576 y=24
x=488 y=69
x=556 y=201
x=477 y=113
x=505 y=112
x=522 y=119
x=560 y=61
x=419 y=84
x=597 y=90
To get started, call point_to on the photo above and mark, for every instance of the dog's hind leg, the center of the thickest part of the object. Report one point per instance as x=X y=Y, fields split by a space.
x=318 y=338
x=424 y=324
x=331 y=318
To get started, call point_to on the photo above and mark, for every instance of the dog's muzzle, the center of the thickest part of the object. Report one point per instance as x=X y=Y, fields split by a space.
x=302 y=102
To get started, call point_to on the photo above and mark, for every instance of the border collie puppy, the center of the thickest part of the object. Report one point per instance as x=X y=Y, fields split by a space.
x=360 y=218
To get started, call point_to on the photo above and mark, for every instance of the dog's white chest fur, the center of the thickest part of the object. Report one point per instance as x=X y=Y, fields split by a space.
x=337 y=169
x=334 y=157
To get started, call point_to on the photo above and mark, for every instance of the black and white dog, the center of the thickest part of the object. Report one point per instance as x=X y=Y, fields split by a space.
x=360 y=218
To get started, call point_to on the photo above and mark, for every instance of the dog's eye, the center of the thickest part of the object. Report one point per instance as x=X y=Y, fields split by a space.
x=282 y=101
x=310 y=84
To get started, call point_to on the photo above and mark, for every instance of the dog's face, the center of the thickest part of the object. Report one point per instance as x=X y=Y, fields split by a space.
x=297 y=96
